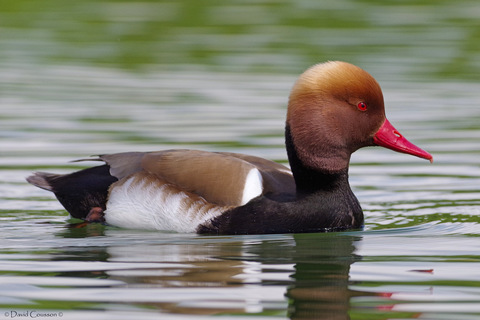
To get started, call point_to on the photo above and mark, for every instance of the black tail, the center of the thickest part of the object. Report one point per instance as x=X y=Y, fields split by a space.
x=79 y=191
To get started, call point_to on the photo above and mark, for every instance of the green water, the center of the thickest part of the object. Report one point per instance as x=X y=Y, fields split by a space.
x=91 y=77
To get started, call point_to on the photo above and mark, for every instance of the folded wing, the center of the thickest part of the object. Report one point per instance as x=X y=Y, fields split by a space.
x=225 y=179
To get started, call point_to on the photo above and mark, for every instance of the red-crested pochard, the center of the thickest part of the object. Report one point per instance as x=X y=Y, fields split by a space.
x=334 y=109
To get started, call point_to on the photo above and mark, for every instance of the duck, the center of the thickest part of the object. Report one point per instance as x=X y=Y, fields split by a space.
x=334 y=109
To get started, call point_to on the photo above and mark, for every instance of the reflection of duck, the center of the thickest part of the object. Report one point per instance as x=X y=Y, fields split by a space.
x=321 y=280
x=334 y=109
x=304 y=275
x=201 y=277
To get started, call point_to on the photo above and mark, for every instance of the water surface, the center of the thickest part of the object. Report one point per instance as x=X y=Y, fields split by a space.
x=95 y=77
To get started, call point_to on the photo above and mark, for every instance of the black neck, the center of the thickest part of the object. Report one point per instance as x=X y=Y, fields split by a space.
x=309 y=180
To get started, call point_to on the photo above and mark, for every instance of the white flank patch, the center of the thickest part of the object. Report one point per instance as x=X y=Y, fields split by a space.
x=253 y=186
x=286 y=170
x=140 y=204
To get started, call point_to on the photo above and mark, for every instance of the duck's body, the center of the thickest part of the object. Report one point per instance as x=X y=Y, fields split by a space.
x=229 y=193
x=172 y=190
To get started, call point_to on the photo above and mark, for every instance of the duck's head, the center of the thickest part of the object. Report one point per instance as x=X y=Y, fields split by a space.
x=336 y=108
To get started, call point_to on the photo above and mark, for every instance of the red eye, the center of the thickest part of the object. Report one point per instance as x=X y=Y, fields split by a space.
x=362 y=106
